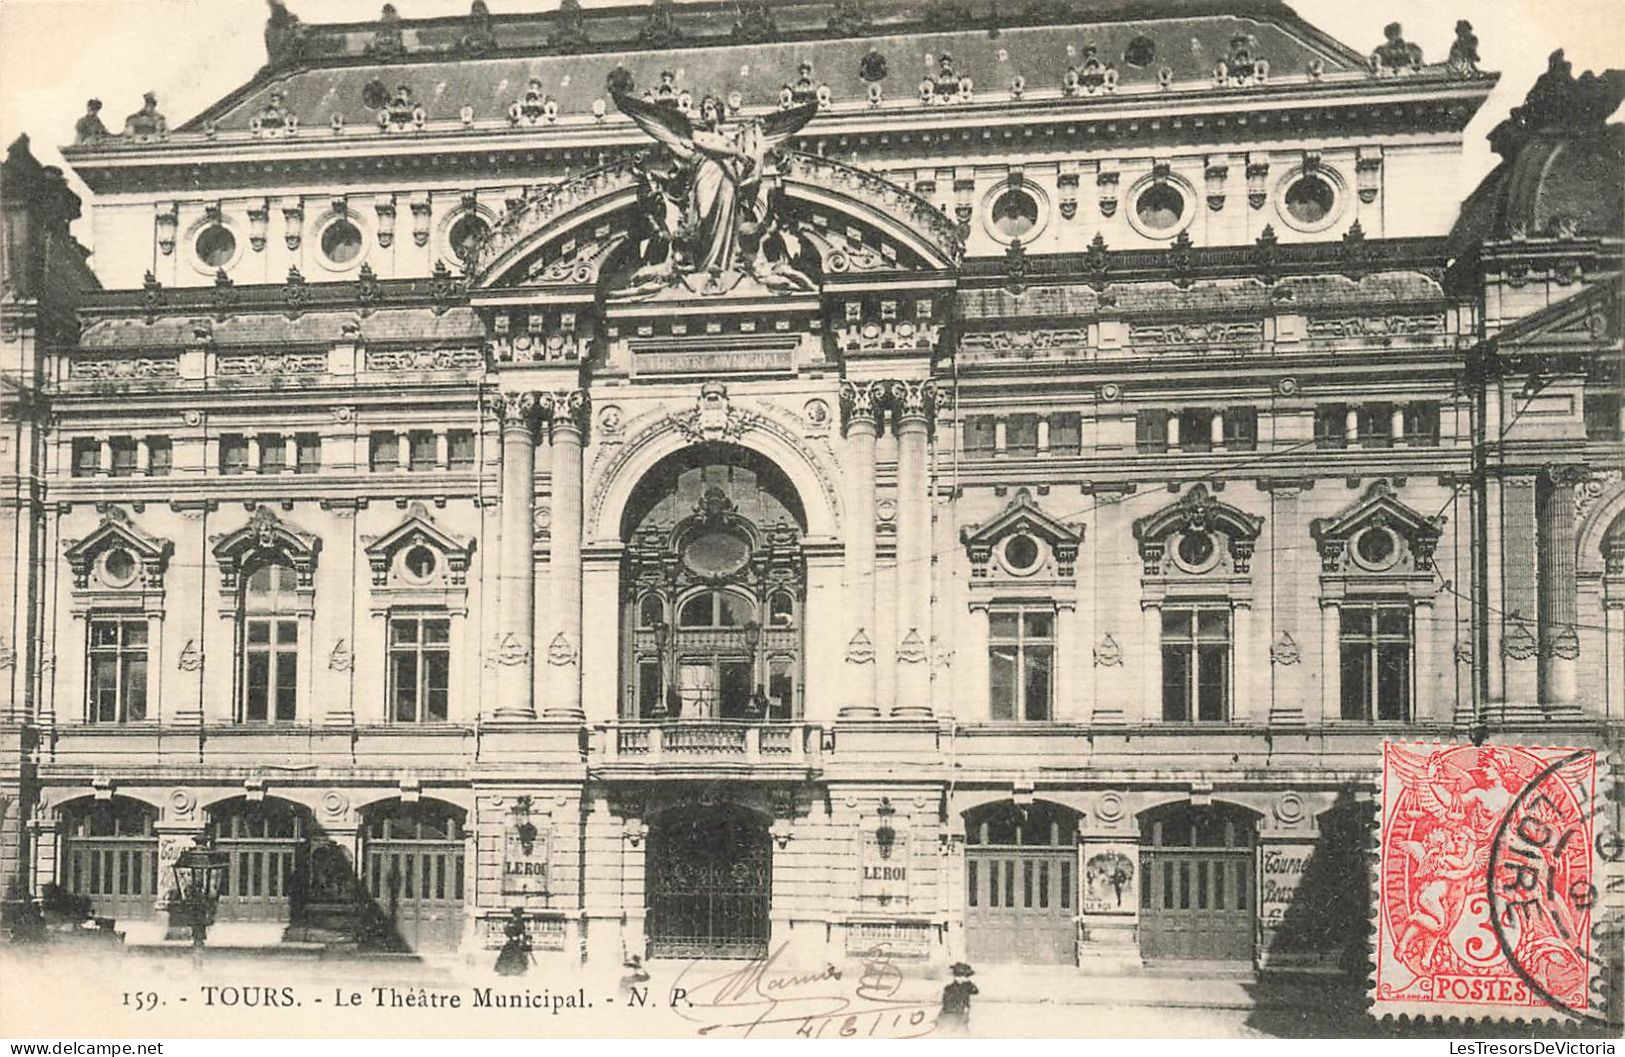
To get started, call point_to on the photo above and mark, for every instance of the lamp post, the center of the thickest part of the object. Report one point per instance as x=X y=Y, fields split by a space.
x=198 y=872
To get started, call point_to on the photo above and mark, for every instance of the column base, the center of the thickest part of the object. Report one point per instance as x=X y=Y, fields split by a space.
x=911 y=712
x=858 y=712
x=1109 y=717
x=340 y=719
x=576 y=714
x=187 y=717
x=513 y=715
x=1288 y=717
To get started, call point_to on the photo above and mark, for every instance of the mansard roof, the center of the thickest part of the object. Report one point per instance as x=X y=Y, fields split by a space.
x=755 y=49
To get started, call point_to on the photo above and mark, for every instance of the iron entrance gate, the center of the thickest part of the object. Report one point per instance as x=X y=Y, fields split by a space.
x=710 y=877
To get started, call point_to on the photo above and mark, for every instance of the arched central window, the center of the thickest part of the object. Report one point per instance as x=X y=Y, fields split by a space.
x=713 y=588
x=269 y=629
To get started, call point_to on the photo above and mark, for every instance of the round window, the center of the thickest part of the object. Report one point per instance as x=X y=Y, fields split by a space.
x=341 y=242
x=1141 y=51
x=216 y=246
x=716 y=553
x=1160 y=207
x=1195 y=549
x=1309 y=200
x=119 y=567
x=1376 y=547
x=1015 y=213
x=1021 y=553
x=466 y=235
x=420 y=563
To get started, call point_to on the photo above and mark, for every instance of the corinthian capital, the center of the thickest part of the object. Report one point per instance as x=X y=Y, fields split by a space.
x=860 y=400
x=916 y=399
x=516 y=410
x=566 y=408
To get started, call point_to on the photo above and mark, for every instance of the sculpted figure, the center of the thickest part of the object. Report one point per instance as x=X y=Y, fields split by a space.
x=722 y=181
x=90 y=126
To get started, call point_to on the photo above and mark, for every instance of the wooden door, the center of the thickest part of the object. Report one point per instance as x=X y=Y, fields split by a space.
x=418 y=885
x=1020 y=905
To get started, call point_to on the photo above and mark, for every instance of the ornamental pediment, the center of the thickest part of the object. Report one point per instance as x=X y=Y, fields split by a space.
x=1197 y=534
x=118 y=553
x=417 y=551
x=1024 y=539
x=1377 y=534
x=266 y=537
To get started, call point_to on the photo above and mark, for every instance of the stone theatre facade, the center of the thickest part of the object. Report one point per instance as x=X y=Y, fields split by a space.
x=802 y=474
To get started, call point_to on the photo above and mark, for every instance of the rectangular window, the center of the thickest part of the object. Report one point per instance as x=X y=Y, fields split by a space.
x=460 y=449
x=648 y=687
x=981 y=433
x=1021 y=664
x=1602 y=416
x=160 y=456
x=87 y=456
x=233 y=453
x=1021 y=435
x=422 y=450
x=1377 y=426
x=117 y=676
x=1196 y=429
x=123 y=453
x=1241 y=428
x=1151 y=430
x=1066 y=433
x=1375 y=641
x=1331 y=426
x=270 y=677
x=307 y=453
x=1196 y=663
x=419 y=668
x=1422 y=423
x=273 y=453
x=383 y=451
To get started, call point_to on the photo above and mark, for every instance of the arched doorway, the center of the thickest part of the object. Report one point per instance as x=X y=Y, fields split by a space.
x=713 y=589
x=1196 y=882
x=265 y=843
x=414 y=856
x=710 y=880
x=110 y=855
x=1021 y=883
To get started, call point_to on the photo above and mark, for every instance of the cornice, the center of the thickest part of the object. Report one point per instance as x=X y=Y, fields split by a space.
x=1346 y=106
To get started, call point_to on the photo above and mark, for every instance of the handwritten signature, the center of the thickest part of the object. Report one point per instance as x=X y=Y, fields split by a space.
x=758 y=998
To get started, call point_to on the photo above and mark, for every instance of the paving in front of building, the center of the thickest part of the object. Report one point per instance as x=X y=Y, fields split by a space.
x=801 y=479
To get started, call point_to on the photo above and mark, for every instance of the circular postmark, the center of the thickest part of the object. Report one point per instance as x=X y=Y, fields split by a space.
x=1542 y=887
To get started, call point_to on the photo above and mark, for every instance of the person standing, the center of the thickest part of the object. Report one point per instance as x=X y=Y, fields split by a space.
x=954 y=1019
x=514 y=960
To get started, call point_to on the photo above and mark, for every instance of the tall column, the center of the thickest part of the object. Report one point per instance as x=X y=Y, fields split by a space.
x=858 y=401
x=514 y=650
x=1559 y=588
x=567 y=410
x=913 y=402
x=1151 y=661
x=1520 y=646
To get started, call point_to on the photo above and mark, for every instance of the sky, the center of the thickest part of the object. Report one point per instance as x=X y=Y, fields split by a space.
x=55 y=54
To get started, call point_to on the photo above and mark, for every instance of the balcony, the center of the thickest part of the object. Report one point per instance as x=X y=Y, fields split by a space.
x=708 y=748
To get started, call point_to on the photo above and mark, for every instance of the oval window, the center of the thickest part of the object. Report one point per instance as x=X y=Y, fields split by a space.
x=1021 y=553
x=420 y=563
x=1195 y=549
x=119 y=565
x=716 y=554
x=1159 y=207
x=341 y=242
x=1141 y=51
x=1376 y=547
x=1309 y=200
x=216 y=246
x=1015 y=213
x=467 y=234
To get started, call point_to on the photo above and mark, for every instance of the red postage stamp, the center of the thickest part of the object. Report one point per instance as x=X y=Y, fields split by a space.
x=1487 y=882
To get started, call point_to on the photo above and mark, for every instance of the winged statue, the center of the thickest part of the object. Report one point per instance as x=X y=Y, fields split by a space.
x=713 y=210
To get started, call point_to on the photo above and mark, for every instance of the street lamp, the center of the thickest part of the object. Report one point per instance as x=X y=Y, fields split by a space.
x=198 y=873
